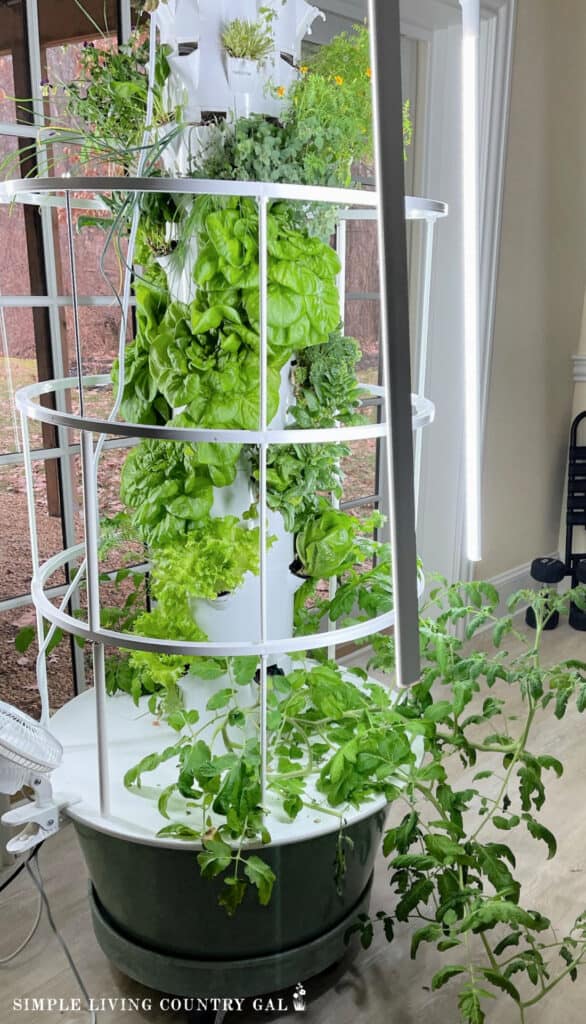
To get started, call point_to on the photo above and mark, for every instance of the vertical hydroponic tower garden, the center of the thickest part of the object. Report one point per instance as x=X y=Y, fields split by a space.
x=242 y=777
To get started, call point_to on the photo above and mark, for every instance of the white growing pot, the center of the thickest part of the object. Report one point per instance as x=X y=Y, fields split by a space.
x=179 y=273
x=178 y=21
x=242 y=73
x=243 y=77
x=284 y=418
x=185 y=78
x=235 y=499
x=182 y=147
x=237 y=616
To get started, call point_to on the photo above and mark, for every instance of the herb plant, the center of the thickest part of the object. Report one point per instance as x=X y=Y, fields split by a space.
x=326 y=392
x=299 y=476
x=249 y=40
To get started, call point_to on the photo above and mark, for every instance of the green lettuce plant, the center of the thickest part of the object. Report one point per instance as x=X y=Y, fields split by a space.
x=203 y=358
x=142 y=402
x=364 y=589
x=326 y=545
x=303 y=301
x=211 y=559
x=168 y=488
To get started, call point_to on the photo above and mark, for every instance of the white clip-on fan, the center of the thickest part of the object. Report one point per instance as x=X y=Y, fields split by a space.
x=28 y=755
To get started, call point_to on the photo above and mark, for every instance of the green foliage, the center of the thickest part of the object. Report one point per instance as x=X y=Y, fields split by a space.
x=325 y=126
x=321 y=725
x=111 y=93
x=169 y=486
x=330 y=107
x=142 y=402
x=212 y=559
x=27 y=636
x=104 y=108
x=299 y=477
x=255 y=149
x=362 y=593
x=446 y=867
x=303 y=302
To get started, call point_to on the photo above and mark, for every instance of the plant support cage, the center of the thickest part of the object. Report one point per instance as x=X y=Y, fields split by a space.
x=95 y=729
x=350 y=205
x=241 y=801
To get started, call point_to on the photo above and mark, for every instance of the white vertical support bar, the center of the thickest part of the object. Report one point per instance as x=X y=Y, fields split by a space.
x=471 y=256
x=90 y=510
x=342 y=251
x=390 y=174
x=124 y=20
x=41 y=666
x=75 y=300
x=423 y=348
x=8 y=376
x=67 y=486
x=264 y=336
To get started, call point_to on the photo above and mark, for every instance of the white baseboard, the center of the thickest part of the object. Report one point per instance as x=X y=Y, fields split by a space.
x=510 y=582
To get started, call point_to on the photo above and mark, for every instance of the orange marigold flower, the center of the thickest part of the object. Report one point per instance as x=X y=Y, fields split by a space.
x=281 y=91
x=339 y=80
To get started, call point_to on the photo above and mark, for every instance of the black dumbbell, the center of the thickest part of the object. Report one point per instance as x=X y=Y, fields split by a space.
x=549 y=571
x=577 y=616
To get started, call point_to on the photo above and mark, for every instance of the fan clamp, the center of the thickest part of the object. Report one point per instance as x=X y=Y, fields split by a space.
x=40 y=819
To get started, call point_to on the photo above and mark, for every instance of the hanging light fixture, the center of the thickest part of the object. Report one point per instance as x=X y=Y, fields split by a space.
x=471 y=259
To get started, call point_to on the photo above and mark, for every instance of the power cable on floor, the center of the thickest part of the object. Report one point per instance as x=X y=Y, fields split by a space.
x=44 y=902
x=8 y=881
x=12 y=878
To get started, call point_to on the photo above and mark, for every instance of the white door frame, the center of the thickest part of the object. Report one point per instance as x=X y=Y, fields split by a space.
x=438 y=24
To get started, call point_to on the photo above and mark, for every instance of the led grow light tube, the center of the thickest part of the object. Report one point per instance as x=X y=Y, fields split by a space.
x=471 y=257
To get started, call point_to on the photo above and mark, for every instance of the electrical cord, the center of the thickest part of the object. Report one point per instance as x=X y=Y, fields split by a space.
x=38 y=882
x=33 y=859
x=11 y=956
x=8 y=881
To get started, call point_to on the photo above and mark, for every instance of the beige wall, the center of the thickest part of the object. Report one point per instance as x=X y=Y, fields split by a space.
x=541 y=283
